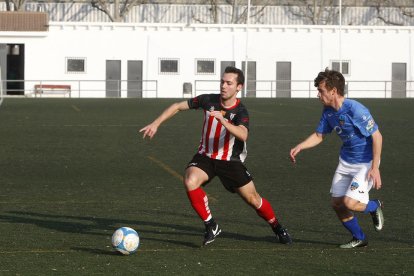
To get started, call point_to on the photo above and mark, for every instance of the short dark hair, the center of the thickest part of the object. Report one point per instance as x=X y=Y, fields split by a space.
x=238 y=72
x=332 y=79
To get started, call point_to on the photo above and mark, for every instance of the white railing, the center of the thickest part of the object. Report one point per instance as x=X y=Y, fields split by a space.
x=306 y=89
x=149 y=89
x=82 y=88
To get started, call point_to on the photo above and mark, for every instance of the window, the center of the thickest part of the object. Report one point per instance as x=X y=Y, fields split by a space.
x=205 y=66
x=75 y=65
x=169 y=66
x=224 y=64
x=345 y=66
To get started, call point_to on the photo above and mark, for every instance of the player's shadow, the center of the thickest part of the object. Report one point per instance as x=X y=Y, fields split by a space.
x=98 y=226
x=156 y=231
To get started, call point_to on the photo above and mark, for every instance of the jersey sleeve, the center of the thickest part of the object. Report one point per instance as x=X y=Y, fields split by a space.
x=194 y=103
x=242 y=118
x=323 y=126
x=364 y=121
x=197 y=102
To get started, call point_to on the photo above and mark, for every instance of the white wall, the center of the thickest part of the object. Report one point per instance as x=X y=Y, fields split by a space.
x=370 y=50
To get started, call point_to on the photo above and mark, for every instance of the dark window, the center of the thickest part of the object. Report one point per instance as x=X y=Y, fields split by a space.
x=169 y=66
x=205 y=67
x=75 y=65
x=345 y=67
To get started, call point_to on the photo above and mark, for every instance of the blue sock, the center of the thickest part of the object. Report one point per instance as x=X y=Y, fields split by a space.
x=371 y=206
x=353 y=227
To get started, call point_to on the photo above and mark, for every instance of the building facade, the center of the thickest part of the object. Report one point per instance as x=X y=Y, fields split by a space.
x=179 y=60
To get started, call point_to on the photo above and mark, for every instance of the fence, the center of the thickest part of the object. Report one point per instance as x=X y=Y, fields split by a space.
x=149 y=89
x=306 y=89
x=82 y=88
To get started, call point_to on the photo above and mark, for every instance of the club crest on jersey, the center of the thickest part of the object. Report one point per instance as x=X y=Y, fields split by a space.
x=232 y=116
x=354 y=186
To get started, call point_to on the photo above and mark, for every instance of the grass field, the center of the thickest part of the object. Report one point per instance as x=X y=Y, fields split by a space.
x=74 y=170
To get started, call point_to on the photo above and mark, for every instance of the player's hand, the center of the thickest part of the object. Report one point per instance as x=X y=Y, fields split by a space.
x=149 y=130
x=375 y=176
x=293 y=153
x=218 y=115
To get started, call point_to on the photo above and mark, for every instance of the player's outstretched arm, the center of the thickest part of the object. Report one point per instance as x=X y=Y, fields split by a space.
x=313 y=140
x=151 y=129
x=374 y=172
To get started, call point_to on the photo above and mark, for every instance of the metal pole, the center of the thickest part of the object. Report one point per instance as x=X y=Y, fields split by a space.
x=1 y=88
x=340 y=36
x=385 y=89
x=247 y=45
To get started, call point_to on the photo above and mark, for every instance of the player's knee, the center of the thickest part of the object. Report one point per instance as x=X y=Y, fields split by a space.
x=350 y=203
x=253 y=200
x=191 y=182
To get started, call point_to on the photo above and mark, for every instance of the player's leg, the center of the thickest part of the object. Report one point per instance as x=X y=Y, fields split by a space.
x=357 y=196
x=340 y=185
x=264 y=209
x=350 y=222
x=196 y=174
x=193 y=179
x=353 y=204
x=373 y=207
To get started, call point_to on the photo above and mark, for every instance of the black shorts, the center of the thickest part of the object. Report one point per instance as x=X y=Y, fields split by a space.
x=232 y=174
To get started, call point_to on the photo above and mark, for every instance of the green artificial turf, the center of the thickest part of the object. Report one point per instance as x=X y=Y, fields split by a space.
x=74 y=170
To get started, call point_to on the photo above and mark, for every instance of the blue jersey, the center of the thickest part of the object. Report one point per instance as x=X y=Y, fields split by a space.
x=354 y=125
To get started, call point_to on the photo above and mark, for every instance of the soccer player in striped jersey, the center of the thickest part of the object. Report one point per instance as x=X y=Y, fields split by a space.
x=221 y=153
x=358 y=169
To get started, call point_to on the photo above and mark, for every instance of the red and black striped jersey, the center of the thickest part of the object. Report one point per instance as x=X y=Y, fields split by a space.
x=216 y=141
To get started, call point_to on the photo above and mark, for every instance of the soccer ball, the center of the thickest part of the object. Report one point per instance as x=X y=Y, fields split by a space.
x=125 y=240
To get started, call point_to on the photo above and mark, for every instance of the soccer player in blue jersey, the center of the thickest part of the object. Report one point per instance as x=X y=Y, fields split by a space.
x=221 y=153
x=358 y=169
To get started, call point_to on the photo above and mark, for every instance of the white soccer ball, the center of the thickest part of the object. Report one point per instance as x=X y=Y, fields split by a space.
x=125 y=240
